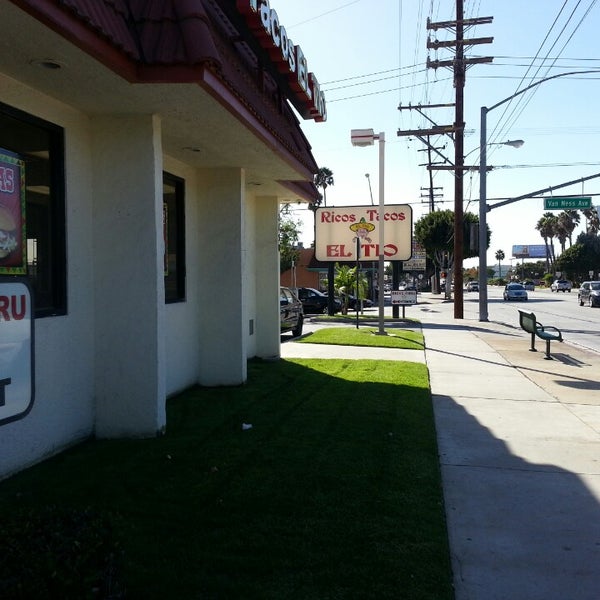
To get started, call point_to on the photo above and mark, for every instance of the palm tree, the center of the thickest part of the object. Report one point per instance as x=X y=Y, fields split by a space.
x=575 y=219
x=593 y=220
x=323 y=179
x=547 y=228
x=345 y=285
x=566 y=223
x=500 y=256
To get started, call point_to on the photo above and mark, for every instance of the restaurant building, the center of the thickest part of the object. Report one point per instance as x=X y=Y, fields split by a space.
x=145 y=149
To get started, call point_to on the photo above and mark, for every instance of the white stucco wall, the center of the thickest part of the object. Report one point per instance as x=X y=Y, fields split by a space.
x=128 y=276
x=107 y=366
x=183 y=334
x=267 y=277
x=223 y=308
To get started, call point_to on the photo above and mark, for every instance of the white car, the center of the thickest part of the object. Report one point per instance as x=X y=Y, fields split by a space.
x=561 y=285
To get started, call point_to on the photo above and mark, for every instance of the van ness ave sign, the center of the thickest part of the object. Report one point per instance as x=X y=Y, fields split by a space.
x=288 y=58
x=338 y=231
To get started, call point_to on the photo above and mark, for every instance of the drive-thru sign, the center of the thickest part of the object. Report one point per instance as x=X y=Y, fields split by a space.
x=16 y=350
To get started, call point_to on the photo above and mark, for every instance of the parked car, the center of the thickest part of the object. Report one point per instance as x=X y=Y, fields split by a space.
x=529 y=285
x=589 y=292
x=315 y=302
x=561 y=285
x=515 y=291
x=472 y=286
x=291 y=315
x=366 y=303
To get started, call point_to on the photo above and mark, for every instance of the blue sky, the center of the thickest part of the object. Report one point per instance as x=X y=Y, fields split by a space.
x=370 y=57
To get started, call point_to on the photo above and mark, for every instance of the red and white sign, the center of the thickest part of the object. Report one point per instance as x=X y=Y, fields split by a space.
x=338 y=230
x=288 y=58
x=16 y=350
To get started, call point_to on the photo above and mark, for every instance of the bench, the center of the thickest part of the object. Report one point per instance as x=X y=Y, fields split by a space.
x=530 y=324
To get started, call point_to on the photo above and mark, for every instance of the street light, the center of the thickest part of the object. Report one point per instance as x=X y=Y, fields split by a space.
x=483 y=313
x=511 y=143
x=483 y=209
x=366 y=137
x=370 y=190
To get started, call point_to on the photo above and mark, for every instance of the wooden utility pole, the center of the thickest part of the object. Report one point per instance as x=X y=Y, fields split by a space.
x=459 y=126
x=459 y=65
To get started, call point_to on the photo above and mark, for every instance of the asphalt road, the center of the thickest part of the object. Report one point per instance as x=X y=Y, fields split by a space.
x=579 y=324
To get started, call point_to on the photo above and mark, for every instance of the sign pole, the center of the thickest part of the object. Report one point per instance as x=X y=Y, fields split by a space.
x=357 y=266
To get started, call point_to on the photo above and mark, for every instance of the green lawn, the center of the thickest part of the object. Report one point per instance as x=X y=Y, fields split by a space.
x=366 y=336
x=334 y=492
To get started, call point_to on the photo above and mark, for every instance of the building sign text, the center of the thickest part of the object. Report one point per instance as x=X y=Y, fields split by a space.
x=338 y=232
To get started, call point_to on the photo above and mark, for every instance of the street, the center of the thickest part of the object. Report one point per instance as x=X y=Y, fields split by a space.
x=579 y=324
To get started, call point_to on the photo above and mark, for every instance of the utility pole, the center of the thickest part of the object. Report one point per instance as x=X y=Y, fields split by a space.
x=459 y=125
x=431 y=189
x=459 y=65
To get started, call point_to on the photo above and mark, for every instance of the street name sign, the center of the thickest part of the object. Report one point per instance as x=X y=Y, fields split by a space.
x=567 y=203
x=404 y=297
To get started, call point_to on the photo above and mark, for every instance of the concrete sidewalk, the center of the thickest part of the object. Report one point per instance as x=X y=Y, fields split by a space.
x=519 y=444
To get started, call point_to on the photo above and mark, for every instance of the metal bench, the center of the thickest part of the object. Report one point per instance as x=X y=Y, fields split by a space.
x=547 y=333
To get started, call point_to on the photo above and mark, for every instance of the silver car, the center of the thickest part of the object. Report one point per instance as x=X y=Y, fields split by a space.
x=515 y=291
x=589 y=292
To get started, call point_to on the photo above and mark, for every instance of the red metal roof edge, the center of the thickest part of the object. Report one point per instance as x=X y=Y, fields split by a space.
x=109 y=30
x=305 y=189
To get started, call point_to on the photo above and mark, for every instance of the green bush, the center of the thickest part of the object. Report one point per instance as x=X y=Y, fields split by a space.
x=60 y=553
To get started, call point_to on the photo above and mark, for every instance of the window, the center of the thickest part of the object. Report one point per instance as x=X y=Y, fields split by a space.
x=174 y=234
x=41 y=145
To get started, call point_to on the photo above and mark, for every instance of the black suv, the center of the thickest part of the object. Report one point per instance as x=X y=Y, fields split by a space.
x=290 y=312
x=314 y=301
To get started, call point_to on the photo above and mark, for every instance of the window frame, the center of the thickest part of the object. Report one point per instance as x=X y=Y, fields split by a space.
x=179 y=294
x=57 y=270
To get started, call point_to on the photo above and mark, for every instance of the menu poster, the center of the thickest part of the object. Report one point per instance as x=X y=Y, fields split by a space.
x=13 y=246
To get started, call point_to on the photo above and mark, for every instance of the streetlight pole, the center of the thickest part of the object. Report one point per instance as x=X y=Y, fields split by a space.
x=483 y=208
x=370 y=190
x=366 y=137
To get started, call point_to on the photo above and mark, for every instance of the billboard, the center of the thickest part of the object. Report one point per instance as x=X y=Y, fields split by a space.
x=339 y=232
x=531 y=251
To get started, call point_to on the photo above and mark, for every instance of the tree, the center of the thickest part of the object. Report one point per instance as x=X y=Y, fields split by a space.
x=323 y=179
x=593 y=220
x=435 y=232
x=572 y=261
x=547 y=226
x=345 y=284
x=289 y=233
x=567 y=222
x=582 y=257
x=500 y=256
